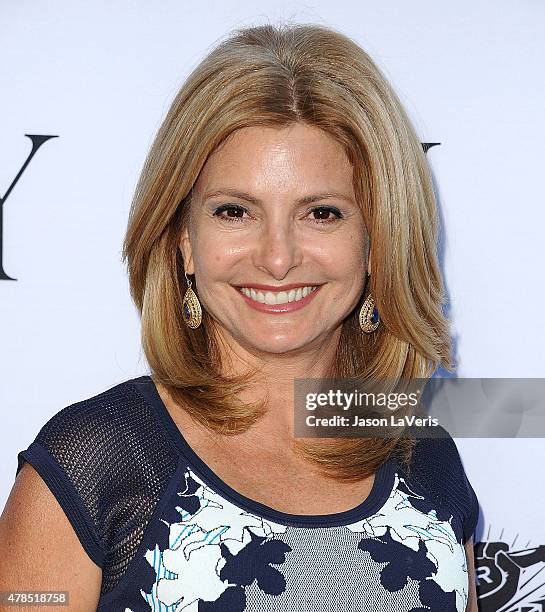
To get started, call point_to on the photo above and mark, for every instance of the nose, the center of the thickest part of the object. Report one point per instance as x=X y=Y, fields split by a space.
x=277 y=250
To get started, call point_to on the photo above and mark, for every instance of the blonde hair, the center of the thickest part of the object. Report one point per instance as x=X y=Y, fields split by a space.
x=275 y=76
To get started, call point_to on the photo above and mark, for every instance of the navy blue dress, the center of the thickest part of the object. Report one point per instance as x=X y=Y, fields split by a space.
x=170 y=535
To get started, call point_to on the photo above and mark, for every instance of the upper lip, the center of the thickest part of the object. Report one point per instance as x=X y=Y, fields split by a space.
x=277 y=287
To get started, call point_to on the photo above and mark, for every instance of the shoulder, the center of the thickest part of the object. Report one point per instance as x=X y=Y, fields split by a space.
x=89 y=418
x=436 y=453
x=436 y=467
x=106 y=459
x=99 y=428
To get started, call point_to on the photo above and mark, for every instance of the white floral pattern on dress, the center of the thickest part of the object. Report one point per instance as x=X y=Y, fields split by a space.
x=188 y=571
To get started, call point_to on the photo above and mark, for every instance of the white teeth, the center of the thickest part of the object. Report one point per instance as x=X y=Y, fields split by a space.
x=280 y=297
x=270 y=298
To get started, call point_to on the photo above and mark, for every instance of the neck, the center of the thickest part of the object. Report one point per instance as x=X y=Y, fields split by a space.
x=275 y=381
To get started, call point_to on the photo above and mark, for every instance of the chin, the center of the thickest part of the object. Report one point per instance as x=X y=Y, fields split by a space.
x=279 y=346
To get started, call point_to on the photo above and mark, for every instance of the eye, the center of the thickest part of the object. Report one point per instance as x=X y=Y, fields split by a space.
x=325 y=210
x=235 y=213
x=238 y=210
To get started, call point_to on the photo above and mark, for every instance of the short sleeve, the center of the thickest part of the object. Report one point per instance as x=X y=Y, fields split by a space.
x=107 y=460
x=438 y=467
x=42 y=458
x=77 y=454
x=472 y=515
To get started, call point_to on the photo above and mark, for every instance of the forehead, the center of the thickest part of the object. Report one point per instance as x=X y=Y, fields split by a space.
x=285 y=157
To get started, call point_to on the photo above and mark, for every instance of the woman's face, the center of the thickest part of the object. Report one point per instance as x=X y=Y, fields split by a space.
x=276 y=207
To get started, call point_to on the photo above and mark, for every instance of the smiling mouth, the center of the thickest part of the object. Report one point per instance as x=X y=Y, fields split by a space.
x=272 y=298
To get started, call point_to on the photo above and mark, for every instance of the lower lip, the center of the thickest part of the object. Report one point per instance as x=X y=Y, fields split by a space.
x=279 y=308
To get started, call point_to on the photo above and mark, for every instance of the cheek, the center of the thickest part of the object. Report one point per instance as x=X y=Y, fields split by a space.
x=354 y=251
x=215 y=254
x=340 y=257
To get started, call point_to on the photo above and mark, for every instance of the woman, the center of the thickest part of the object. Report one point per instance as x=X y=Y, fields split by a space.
x=284 y=226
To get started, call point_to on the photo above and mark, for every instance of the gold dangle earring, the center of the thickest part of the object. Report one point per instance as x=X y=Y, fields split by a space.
x=191 y=307
x=369 y=317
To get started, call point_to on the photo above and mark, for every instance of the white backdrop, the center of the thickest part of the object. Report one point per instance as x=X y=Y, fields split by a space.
x=100 y=76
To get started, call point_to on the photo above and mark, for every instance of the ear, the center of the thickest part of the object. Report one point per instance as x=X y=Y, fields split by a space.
x=187 y=252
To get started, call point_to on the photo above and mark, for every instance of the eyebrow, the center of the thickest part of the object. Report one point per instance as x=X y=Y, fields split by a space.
x=324 y=195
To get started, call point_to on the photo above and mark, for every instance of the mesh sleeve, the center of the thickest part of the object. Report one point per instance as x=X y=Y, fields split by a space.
x=66 y=494
x=438 y=467
x=472 y=514
x=107 y=460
